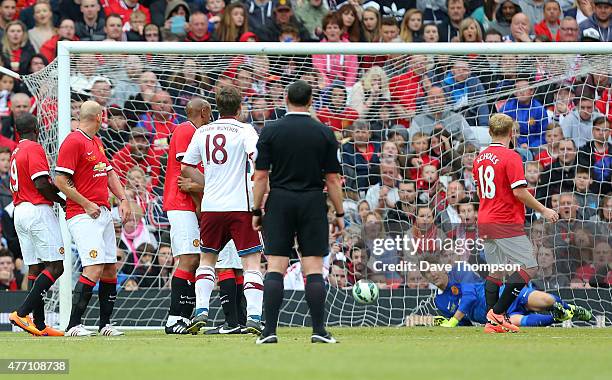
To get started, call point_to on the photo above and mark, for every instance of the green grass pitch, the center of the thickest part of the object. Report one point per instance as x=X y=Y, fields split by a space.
x=364 y=353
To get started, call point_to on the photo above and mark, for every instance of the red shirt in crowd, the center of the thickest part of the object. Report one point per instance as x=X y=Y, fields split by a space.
x=416 y=173
x=405 y=89
x=28 y=162
x=542 y=29
x=338 y=121
x=122 y=9
x=151 y=165
x=174 y=199
x=498 y=171
x=544 y=158
x=83 y=158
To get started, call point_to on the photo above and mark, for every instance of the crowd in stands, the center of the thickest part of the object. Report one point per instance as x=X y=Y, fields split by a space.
x=410 y=127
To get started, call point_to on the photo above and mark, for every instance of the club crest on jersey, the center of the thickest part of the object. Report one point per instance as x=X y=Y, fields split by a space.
x=454 y=290
x=196 y=243
x=93 y=253
x=61 y=250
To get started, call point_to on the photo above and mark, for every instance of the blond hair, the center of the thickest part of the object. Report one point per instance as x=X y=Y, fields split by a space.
x=405 y=32
x=6 y=46
x=465 y=24
x=369 y=75
x=500 y=125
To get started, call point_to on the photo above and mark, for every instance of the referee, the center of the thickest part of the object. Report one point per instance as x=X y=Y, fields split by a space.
x=297 y=156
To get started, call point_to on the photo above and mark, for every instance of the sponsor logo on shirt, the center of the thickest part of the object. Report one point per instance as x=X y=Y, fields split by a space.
x=99 y=170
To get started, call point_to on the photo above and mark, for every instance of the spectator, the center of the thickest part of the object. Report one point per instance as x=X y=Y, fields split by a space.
x=385 y=195
x=602 y=173
x=160 y=121
x=359 y=157
x=260 y=12
x=578 y=124
x=597 y=148
x=43 y=29
x=185 y=84
x=562 y=106
x=101 y=91
x=372 y=23
x=519 y=29
x=134 y=29
x=177 y=17
x=124 y=9
x=423 y=235
x=7 y=85
x=370 y=91
x=140 y=103
x=66 y=32
x=534 y=9
x=547 y=277
x=373 y=230
x=20 y=104
x=503 y=16
x=431 y=33
x=233 y=24
x=420 y=156
x=337 y=275
x=16 y=48
x=411 y=29
x=493 y=36
x=335 y=67
x=146 y=273
x=568 y=30
x=470 y=31
x=587 y=201
x=603 y=218
x=8 y=11
x=463 y=171
x=260 y=113
x=117 y=135
x=92 y=26
x=561 y=173
x=550 y=151
x=349 y=22
x=450 y=29
x=465 y=93
x=600 y=20
x=399 y=219
x=603 y=275
x=449 y=218
x=357 y=265
x=438 y=116
x=113 y=28
x=407 y=88
x=550 y=25
x=337 y=114
x=11 y=279
x=530 y=115
x=138 y=152
x=152 y=33
x=283 y=17
x=310 y=14
x=215 y=9
x=389 y=30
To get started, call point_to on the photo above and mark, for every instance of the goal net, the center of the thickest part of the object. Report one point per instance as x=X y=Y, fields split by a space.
x=409 y=126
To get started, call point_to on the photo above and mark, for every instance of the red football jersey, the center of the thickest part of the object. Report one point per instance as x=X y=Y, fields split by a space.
x=83 y=158
x=498 y=170
x=174 y=199
x=28 y=162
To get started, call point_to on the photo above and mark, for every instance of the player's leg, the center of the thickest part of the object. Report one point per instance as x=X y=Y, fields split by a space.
x=515 y=250
x=185 y=242
x=87 y=234
x=227 y=296
x=494 y=279
x=313 y=241
x=240 y=300
x=38 y=231
x=532 y=320
x=561 y=310
x=214 y=234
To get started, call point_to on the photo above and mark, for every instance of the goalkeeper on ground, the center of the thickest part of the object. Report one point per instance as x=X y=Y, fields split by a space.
x=461 y=303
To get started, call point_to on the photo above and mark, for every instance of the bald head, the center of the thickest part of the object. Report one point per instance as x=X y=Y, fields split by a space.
x=196 y=107
x=89 y=110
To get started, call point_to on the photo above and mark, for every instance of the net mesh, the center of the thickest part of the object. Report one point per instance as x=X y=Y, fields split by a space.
x=419 y=120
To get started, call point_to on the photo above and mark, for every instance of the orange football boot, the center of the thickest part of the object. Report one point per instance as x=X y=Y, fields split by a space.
x=501 y=320
x=50 y=331
x=494 y=329
x=24 y=323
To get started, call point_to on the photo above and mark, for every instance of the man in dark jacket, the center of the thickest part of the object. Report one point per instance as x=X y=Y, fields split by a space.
x=600 y=20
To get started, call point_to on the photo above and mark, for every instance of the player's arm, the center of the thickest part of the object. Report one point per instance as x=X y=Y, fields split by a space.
x=115 y=186
x=48 y=189
x=333 y=182
x=192 y=173
x=66 y=185
x=190 y=161
x=523 y=195
x=454 y=320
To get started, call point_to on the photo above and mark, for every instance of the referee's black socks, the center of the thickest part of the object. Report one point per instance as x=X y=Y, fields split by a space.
x=514 y=284
x=315 y=298
x=272 y=299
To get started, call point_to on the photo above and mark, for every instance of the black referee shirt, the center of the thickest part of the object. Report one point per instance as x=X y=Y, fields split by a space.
x=299 y=151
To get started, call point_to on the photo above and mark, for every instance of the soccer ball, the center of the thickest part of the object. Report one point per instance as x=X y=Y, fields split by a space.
x=365 y=292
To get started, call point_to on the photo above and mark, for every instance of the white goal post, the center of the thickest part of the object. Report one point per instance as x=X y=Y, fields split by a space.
x=67 y=49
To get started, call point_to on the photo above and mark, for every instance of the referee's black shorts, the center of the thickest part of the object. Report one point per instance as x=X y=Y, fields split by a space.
x=291 y=214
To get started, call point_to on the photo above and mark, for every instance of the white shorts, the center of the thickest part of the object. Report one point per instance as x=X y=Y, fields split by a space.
x=39 y=233
x=228 y=257
x=94 y=238
x=184 y=232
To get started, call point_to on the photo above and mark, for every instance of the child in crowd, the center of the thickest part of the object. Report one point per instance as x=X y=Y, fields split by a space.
x=586 y=200
x=548 y=155
x=7 y=84
x=421 y=157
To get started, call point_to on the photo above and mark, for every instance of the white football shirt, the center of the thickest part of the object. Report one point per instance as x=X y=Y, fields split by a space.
x=225 y=148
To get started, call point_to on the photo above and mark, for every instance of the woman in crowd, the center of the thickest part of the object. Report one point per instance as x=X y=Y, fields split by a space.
x=470 y=31
x=66 y=32
x=43 y=29
x=431 y=33
x=185 y=84
x=351 y=26
x=233 y=24
x=335 y=67
x=412 y=26
x=370 y=91
x=37 y=63
x=16 y=48
x=371 y=25
x=152 y=33
x=603 y=218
